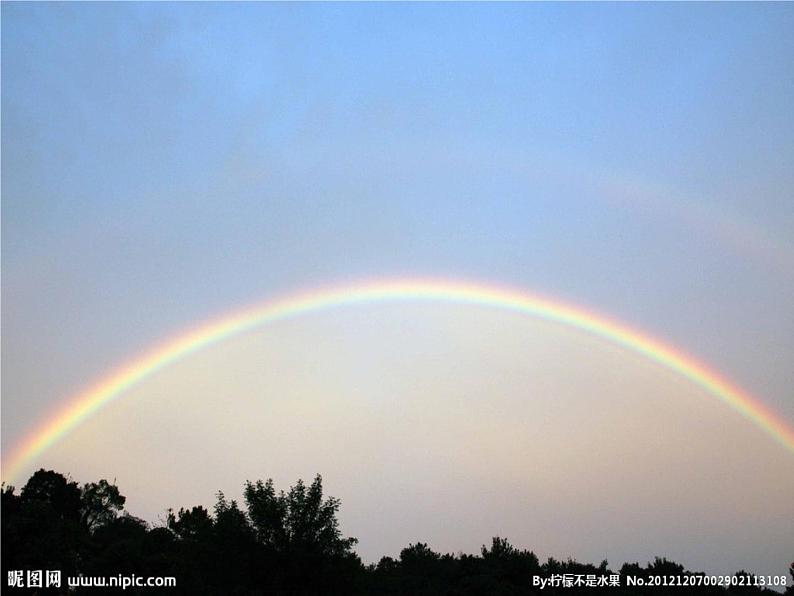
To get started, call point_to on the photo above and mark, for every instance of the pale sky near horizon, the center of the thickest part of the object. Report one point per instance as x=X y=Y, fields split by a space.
x=163 y=164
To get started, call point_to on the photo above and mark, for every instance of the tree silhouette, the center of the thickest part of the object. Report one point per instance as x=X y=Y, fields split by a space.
x=300 y=532
x=298 y=521
x=280 y=543
x=100 y=503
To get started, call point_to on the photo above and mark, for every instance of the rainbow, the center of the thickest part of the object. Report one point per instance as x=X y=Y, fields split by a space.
x=83 y=405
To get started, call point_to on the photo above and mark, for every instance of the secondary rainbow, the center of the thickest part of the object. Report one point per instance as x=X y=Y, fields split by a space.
x=80 y=407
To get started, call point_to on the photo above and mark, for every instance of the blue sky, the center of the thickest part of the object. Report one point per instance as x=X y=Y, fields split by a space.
x=165 y=163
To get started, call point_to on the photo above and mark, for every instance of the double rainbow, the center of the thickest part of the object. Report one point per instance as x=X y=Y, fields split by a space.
x=80 y=407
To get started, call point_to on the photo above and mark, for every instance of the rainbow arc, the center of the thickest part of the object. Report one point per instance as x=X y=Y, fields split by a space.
x=82 y=406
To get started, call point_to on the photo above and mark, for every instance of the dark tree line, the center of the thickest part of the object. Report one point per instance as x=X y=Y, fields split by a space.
x=279 y=543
